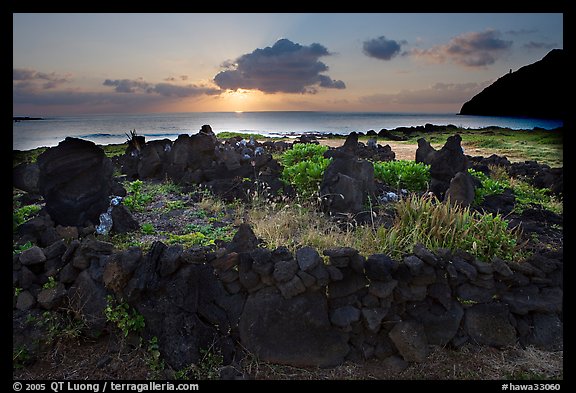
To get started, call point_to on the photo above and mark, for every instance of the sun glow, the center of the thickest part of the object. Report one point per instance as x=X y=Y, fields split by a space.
x=240 y=100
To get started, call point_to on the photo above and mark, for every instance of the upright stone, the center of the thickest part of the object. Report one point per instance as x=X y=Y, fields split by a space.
x=75 y=179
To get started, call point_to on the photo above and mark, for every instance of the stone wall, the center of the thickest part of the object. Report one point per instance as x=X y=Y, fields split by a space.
x=302 y=309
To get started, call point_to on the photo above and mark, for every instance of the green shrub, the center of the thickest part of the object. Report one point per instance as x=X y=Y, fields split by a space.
x=411 y=175
x=50 y=284
x=188 y=240
x=303 y=152
x=23 y=247
x=126 y=318
x=304 y=167
x=526 y=195
x=147 y=228
x=23 y=214
x=136 y=200
x=488 y=186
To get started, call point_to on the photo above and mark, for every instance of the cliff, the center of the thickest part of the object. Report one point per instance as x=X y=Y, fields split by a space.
x=536 y=90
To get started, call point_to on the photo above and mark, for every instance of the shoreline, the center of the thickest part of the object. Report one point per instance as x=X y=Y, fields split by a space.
x=541 y=145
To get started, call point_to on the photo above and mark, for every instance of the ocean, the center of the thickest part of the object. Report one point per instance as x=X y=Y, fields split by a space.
x=112 y=128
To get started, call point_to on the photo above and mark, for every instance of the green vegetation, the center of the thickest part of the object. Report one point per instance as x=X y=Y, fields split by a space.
x=18 y=249
x=526 y=195
x=442 y=225
x=123 y=316
x=20 y=357
x=23 y=214
x=123 y=241
x=243 y=135
x=147 y=229
x=304 y=166
x=50 y=284
x=114 y=150
x=201 y=235
x=154 y=361
x=26 y=156
x=136 y=200
x=59 y=326
x=174 y=205
x=544 y=146
x=410 y=175
x=488 y=187
x=417 y=220
x=208 y=368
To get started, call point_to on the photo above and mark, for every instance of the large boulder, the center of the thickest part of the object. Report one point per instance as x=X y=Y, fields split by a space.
x=277 y=330
x=461 y=190
x=75 y=179
x=445 y=164
x=424 y=152
x=190 y=154
x=348 y=182
x=25 y=177
x=153 y=159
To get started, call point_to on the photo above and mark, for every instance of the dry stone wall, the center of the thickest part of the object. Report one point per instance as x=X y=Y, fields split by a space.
x=307 y=308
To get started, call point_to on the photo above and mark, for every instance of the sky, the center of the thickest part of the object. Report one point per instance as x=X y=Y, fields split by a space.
x=70 y=64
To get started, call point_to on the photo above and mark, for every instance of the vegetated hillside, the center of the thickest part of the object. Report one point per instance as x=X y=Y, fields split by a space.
x=536 y=90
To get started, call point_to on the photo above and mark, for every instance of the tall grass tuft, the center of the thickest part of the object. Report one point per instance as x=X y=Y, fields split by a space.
x=434 y=224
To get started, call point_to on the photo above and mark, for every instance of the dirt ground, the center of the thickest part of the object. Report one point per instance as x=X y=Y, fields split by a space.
x=403 y=151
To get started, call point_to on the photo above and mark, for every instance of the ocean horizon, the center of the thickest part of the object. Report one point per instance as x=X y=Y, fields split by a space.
x=104 y=129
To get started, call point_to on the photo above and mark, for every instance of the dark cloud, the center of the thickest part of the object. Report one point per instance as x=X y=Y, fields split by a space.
x=170 y=90
x=126 y=95
x=381 y=48
x=127 y=85
x=475 y=49
x=136 y=86
x=439 y=93
x=174 y=79
x=538 y=45
x=285 y=67
x=521 y=31
x=26 y=77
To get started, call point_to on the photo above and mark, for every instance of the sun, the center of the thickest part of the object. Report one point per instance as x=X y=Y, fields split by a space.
x=240 y=100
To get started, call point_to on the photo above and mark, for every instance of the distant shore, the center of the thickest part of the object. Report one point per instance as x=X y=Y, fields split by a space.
x=22 y=118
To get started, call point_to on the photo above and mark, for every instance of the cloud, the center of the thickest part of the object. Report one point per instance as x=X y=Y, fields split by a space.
x=474 y=49
x=138 y=86
x=126 y=95
x=539 y=45
x=381 y=48
x=127 y=85
x=438 y=93
x=285 y=67
x=26 y=77
x=174 y=79
x=170 y=90
x=521 y=31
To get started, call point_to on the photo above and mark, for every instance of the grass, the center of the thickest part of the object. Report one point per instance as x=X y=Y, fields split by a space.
x=526 y=195
x=544 y=146
x=418 y=220
x=114 y=150
x=295 y=226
